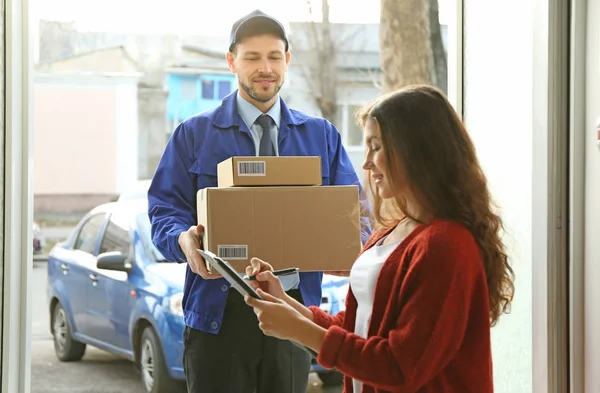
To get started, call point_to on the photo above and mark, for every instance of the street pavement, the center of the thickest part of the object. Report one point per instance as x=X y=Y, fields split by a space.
x=97 y=372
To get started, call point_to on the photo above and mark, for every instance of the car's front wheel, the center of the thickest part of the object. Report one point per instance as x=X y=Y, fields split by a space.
x=65 y=347
x=155 y=376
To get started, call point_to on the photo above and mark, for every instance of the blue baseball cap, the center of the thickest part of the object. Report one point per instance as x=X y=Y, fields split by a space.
x=256 y=22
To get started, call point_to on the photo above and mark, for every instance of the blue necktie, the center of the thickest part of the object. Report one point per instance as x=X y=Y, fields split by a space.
x=266 y=144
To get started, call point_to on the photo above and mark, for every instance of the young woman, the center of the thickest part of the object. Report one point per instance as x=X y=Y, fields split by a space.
x=434 y=277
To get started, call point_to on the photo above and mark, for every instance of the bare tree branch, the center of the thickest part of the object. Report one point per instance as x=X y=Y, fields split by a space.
x=305 y=64
x=320 y=47
x=319 y=66
x=372 y=76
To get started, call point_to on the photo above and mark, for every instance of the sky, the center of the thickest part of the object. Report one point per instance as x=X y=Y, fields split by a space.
x=198 y=17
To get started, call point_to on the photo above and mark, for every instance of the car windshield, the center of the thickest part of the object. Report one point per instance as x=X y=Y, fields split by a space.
x=143 y=224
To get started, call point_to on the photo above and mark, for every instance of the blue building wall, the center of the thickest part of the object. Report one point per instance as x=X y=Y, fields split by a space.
x=190 y=94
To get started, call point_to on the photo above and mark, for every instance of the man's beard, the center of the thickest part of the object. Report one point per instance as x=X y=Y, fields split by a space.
x=255 y=96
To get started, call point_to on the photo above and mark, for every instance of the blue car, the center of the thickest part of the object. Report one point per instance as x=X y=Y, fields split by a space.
x=333 y=300
x=109 y=287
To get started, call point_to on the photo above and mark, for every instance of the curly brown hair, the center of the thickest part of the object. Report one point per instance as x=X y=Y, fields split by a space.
x=423 y=136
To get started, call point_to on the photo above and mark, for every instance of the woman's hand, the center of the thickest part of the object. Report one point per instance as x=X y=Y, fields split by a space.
x=278 y=319
x=265 y=279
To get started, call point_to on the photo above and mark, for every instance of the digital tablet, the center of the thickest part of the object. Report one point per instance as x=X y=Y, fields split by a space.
x=229 y=273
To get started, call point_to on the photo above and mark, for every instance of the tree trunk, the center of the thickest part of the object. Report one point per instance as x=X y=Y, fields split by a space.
x=437 y=48
x=328 y=79
x=405 y=43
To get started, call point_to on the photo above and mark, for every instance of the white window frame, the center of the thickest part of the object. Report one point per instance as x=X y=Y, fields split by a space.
x=455 y=58
x=344 y=127
x=18 y=200
x=554 y=116
x=577 y=175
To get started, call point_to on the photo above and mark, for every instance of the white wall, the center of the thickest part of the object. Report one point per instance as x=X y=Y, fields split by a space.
x=498 y=114
x=126 y=128
x=93 y=121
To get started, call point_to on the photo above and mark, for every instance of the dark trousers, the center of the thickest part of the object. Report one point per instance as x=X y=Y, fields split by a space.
x=240 y=358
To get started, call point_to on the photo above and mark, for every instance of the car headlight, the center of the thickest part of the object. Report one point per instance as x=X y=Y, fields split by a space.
x=175 y=304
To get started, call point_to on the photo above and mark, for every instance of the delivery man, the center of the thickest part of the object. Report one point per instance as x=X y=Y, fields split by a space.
x=224 y=349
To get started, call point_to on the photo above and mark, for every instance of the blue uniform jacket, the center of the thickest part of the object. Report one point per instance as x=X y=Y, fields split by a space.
x=189 y=163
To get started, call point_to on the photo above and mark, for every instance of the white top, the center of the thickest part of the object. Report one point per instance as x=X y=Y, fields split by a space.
x=363 y=279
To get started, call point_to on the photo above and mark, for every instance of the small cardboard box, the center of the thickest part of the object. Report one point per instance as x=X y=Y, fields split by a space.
x=312 y=228
x=269 y=171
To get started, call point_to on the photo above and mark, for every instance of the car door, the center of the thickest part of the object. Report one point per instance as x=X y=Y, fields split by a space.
x=113 y=297
x=75 y=270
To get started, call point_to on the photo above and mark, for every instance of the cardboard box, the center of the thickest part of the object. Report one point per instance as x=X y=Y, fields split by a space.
x=312 y=228
x=269 y=171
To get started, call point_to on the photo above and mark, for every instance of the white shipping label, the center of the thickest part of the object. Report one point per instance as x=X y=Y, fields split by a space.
x=252 y=168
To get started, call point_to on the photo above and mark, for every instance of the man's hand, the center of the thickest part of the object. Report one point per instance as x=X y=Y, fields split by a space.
x=189 y=241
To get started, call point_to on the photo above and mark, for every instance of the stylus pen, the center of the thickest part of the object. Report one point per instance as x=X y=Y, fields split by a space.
x=282 y=272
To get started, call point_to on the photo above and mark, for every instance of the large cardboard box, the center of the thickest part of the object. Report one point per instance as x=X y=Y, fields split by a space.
x=313 y=228
x=269 y=171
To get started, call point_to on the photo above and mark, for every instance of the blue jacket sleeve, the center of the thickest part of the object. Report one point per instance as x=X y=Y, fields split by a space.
x=172 y=195
x=341 y=172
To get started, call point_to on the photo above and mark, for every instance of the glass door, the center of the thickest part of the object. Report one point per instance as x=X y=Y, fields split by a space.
x=16 y=201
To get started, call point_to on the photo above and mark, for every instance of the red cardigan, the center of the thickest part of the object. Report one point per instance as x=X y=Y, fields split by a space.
x=430 y=327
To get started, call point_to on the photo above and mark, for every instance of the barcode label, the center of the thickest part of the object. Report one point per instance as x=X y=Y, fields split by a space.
x=232 y=252
x=252 y=168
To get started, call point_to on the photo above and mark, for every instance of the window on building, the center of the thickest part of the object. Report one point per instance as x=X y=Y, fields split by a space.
x=208 y=89
x=188 y=89
x=338 y=118
x=345 y=122
x=354 y=134
x=224 y=88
